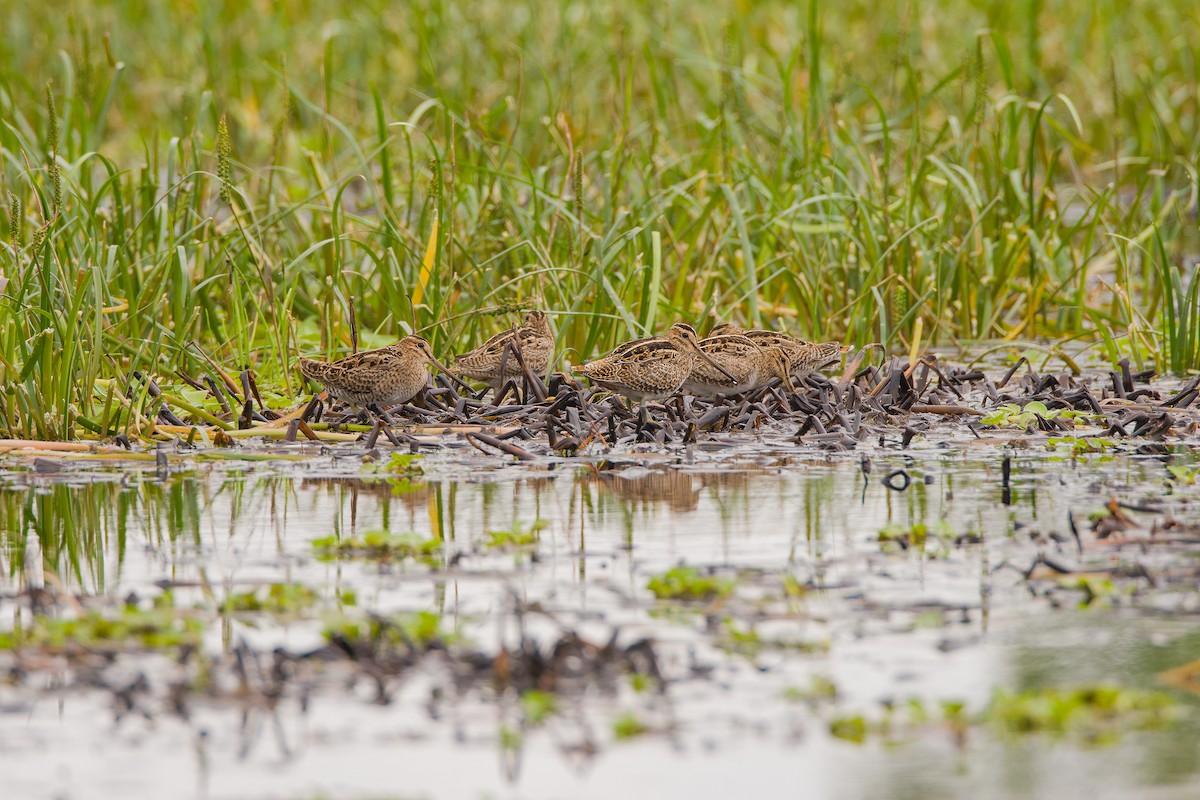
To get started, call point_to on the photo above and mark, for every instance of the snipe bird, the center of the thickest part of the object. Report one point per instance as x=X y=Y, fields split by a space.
x=495 y=362
x=807 y=357
x=650 y=369
x=751 y=366
x=374 y=379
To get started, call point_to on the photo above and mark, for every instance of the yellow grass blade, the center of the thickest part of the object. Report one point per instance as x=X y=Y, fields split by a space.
x=914 y=351
x=426 y=264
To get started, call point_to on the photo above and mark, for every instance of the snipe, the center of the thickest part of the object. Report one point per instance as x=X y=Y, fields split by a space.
x=650 y=369
x=374 y=379
x=495 y=361
x=751 y=366
x=806 y=357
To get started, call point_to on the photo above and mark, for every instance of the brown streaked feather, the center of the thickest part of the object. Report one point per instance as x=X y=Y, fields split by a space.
x=386 y=377
x=750 y=365
x=807 y=357
x=646 y=369
x=814 y=357
x=487 y=363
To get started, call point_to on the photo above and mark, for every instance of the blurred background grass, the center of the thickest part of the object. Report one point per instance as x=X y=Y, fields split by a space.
x=847 y=170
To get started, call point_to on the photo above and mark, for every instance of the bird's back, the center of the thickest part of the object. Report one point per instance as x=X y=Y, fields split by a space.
x=386 y=376
x=492 y=364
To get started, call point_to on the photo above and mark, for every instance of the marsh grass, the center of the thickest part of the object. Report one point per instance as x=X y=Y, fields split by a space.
x=224 y=189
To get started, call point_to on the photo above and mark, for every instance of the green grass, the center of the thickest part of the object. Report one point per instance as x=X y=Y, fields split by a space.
x=982 y=169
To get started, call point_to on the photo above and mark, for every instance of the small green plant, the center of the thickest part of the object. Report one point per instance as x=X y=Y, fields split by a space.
x=516 y=538
x=850 y=728
x=419 y=631
x=1184 y=474
x=279 y=598
x=1079 y=445
x=538 y=706
x=743 y=642
x=129 y=629
x=793 y=588
x=1011 y=415
x=379 y=546
x=510 y=738
x=748 y=643
x=1097 y=590
x=907 y=536
x=408 y=464
x=1098 y=713
x=821 y=690
x=951 y=709
x=628 y=726
x=687 y=583
x=917 y=536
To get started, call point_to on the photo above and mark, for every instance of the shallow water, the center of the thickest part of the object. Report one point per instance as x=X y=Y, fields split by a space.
x=949 y=622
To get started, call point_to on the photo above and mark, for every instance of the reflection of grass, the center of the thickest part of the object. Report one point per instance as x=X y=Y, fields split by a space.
x=687 y=583
x=73 y=524
x=130 y=629
x=379 y=546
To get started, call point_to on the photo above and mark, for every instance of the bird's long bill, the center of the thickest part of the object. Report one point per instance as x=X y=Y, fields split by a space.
x=715 y=365
x=449 y=373
x=838 y=358
x=787 y=381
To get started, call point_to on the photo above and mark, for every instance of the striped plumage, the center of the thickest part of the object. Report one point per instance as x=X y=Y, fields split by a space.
x=489 y=364
x=647 y=369
x=751 y=366
x=385 y=377
x=807 y=357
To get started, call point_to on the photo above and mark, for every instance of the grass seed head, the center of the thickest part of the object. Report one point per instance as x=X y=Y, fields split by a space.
x=224 y=166
x=15 y=233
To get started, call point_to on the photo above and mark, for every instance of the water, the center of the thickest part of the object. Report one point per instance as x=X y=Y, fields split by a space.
x=818 y=600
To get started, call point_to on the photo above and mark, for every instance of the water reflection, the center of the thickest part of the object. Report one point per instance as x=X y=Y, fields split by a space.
x=86 y=533
x=900 y=586
x=101 y=535
x=643 y=488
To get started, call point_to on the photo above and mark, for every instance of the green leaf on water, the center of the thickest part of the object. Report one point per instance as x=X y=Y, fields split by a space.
x=687 y=583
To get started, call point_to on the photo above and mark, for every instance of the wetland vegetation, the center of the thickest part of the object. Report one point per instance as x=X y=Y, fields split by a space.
x=185 y=199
